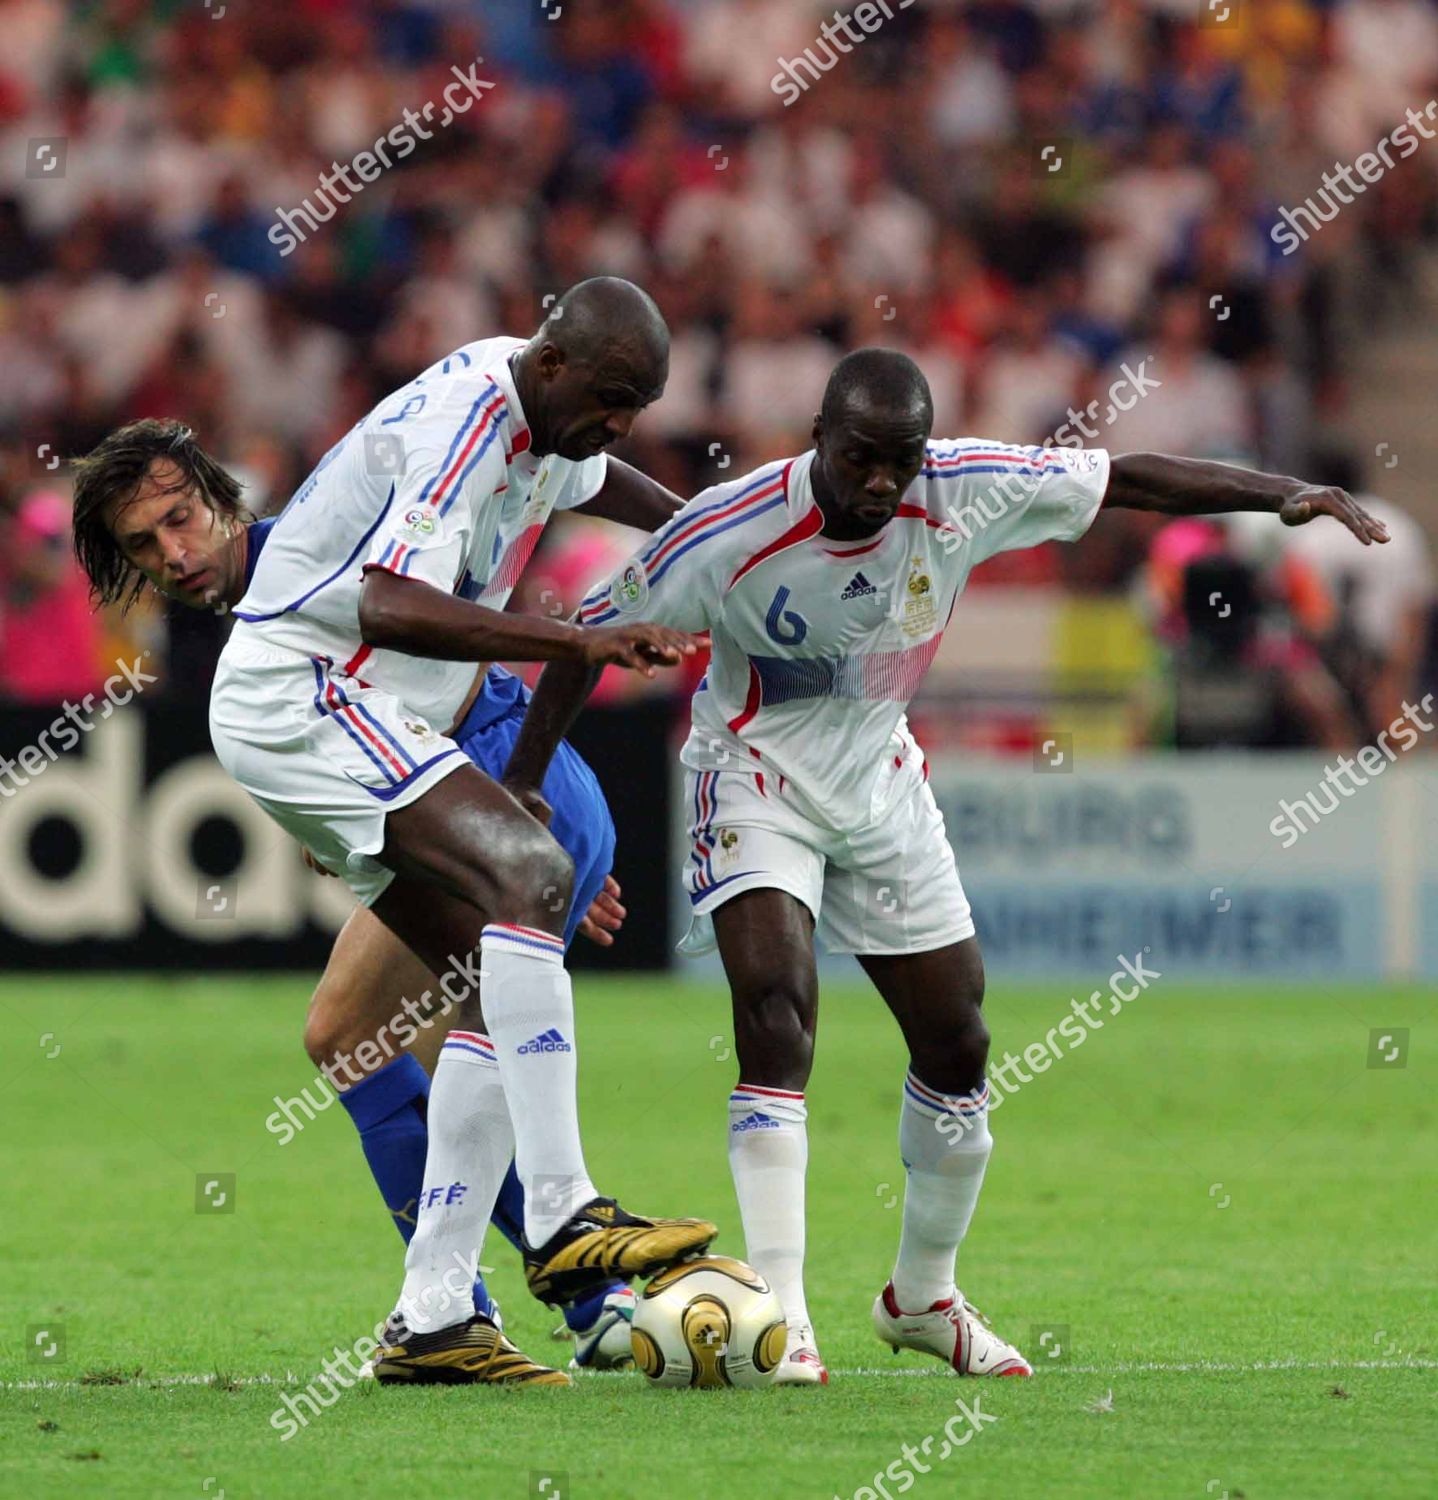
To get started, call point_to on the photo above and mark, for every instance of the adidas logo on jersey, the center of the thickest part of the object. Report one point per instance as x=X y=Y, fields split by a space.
x=755 y=1121
x=858 y=587
x=549 y=1041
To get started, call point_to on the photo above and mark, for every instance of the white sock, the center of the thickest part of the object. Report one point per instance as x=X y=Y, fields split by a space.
x=945 y=1143
x=529 y=1008
x=769 y=1154
x=470 y=1145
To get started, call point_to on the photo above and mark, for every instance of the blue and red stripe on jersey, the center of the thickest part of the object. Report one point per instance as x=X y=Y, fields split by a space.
x=706 y=523
x=396 y=558
x=891 y=676
x=480 y=427
x=989 y=459
x=512 y=564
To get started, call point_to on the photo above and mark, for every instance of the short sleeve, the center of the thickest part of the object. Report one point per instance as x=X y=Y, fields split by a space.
x=673 y=580
x=450 y=474
x=1001 y=498
x=583 y=482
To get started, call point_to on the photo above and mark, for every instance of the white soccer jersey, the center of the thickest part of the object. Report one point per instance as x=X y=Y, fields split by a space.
x=818 y=645
x=436 y=483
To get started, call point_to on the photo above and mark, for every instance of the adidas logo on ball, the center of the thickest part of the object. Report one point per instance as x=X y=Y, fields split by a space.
x=707 y=1323
x=549 y=1041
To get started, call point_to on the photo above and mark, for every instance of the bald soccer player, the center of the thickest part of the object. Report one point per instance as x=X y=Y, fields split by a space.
x=340 y=703
x=826 y=581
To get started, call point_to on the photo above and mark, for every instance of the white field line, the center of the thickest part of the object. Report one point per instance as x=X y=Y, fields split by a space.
x=1140 y=1367
x=1189 y=1367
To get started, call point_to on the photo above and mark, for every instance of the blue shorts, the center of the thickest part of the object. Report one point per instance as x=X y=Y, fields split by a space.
x=581 y=823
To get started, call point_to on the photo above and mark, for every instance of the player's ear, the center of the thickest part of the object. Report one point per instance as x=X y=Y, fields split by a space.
x=818 y=429
x=550 y=361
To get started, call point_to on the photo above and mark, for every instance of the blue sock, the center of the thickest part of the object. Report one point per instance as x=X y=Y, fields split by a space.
x=388 y=1110
x=580 y=1315
x=483 y=1302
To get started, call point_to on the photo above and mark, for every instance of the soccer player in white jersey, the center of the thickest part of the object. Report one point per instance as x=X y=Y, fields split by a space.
x=352 y=658
x=152 y=510
x=826 y=582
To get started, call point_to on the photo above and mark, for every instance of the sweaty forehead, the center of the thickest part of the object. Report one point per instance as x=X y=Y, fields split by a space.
x=163 y=483
x=632 y=366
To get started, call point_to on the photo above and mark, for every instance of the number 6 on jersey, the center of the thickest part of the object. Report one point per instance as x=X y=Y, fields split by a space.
x=786 y=626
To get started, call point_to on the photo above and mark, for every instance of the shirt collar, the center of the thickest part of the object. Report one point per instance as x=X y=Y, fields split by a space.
x=517 y=436
x=801 y=491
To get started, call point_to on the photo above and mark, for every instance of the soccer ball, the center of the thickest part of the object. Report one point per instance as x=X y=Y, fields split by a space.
x=707 y=1323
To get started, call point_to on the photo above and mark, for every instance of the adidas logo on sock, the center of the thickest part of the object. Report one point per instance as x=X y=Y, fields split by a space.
x=858 y=587
x=549 y=1041
x=755 y=1121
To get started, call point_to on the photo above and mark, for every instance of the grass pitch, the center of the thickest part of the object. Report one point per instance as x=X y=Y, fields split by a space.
x=1212 y=1227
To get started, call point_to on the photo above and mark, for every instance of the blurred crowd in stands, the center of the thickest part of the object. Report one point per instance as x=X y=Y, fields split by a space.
x=1030 y=198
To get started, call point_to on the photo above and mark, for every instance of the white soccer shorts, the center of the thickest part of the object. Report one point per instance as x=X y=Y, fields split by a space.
x=890 y=886
x=326 y=757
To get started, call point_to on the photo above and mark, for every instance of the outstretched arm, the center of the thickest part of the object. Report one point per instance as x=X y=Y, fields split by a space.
x=1195 y=487
x=663 y=581
x=406 y=614
x=563 y=689
x=631 y=498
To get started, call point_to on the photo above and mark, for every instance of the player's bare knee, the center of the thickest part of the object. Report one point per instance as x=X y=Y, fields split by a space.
x=966 y=982
x=553 y=875
x=538 y=882
x=971 y=1041
x=953 y=1056
x=528 y=879
x=549 y=872
x=774 y=1033
x=327 y=1028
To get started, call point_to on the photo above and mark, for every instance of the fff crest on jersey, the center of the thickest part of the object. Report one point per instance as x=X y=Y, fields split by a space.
x=631 y=587
x=919 y=613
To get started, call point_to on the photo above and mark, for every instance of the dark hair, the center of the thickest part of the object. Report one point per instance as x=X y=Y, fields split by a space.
x=113 y=471
x=875 y=377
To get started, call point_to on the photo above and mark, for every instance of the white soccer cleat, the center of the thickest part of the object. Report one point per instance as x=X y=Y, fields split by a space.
x=952 y=1330
x=605 y=1344
x=801 y=1364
